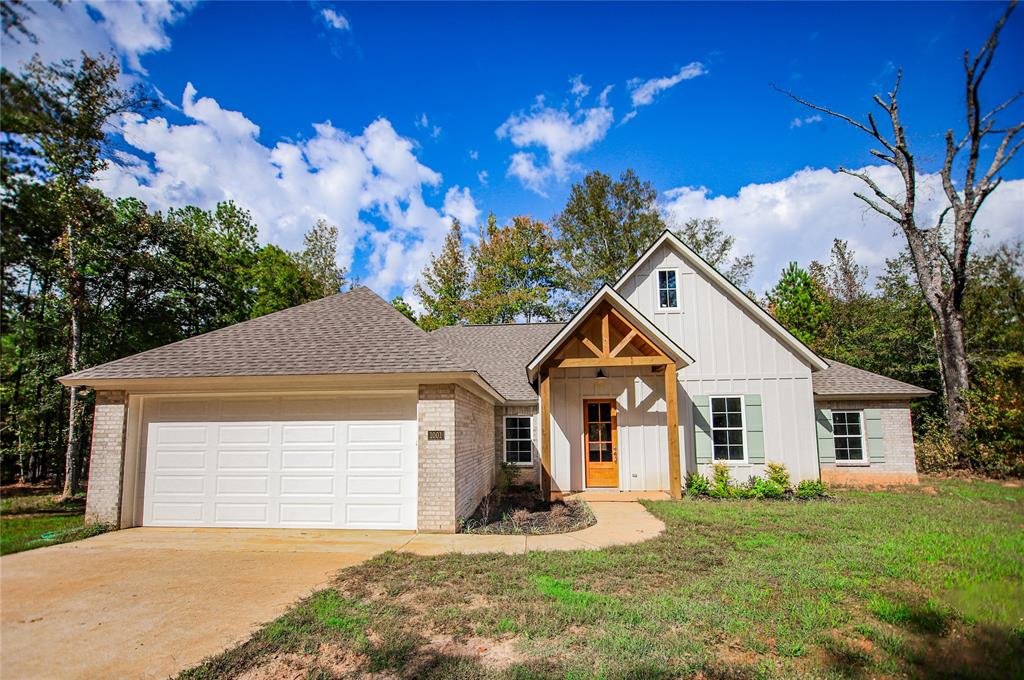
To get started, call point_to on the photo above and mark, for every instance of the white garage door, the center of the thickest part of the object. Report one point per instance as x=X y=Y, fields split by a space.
x=295 y=462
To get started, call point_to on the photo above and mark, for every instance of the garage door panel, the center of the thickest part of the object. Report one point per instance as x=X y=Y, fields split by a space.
x=179 y=485
x=182 y=435
x=249 y=513
x=369 y=515
x=309 y=434
x=376 y=459
x=280 y=462
x=243 y=486
x=244 y=434
x=367 y=485
x=174 y=513
x=307 y=486
x=307 y=514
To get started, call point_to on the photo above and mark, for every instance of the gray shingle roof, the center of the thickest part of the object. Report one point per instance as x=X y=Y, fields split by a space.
x=352 y=332
x=500 y=353
x=841 y=379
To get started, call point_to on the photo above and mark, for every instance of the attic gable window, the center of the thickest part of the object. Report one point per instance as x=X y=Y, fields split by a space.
x=668 y=292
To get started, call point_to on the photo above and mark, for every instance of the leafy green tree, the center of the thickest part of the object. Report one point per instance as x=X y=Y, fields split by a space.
x=706 y=237
x=61 y=111
x=799 y=304
x=445 y=283
x=514 y=272
x=399 y=303
x=320 y=257
x=281 y=281
x=604 y=228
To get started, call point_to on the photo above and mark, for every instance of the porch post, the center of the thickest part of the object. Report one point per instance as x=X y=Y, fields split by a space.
x=672 y=421
x=545 y=434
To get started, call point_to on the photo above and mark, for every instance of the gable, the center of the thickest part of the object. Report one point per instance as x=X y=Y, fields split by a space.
x=608 y=331
x=727 y=332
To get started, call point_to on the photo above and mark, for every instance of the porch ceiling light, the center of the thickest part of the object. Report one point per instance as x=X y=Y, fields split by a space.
x=601 y=375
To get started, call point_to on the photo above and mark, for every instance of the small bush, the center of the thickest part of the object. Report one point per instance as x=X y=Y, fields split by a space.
x=778 y=474
x=810 y=488
x=697 y=484
x=721 y=483
x=766 y=488
x=520 y=518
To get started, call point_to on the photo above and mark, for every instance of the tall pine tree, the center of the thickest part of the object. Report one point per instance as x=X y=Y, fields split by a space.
x=444 y=283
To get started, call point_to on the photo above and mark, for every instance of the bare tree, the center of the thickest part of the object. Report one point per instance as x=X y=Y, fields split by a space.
x=939 y=251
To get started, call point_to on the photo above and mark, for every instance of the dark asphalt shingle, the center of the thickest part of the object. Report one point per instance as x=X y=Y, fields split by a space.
x=500 y=352
x=351 y=332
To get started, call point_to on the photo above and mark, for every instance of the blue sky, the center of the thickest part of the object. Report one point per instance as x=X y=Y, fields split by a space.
x=388 y=119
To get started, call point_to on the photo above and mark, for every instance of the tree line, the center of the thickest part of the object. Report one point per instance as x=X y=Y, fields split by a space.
x=88 y=279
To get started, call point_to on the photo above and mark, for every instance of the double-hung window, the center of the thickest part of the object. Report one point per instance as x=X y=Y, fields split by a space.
x=848 y=433
x=518 y=440
x=727 y=429
x=668 y=289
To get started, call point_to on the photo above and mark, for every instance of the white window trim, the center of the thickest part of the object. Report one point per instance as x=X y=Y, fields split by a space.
x=505 y=440
x=742 y=428
x=866 y=459
x=657 y=290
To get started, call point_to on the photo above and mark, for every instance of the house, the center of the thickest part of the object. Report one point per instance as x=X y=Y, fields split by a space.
x=341 y=413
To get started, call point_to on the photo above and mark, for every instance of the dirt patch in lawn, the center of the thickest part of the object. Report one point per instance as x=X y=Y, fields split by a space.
x=520 y=510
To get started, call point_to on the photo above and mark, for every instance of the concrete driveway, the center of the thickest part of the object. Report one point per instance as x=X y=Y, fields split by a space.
x=148 y=603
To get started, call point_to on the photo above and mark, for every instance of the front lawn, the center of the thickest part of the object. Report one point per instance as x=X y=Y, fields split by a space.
x=33 y=518
x=924 y=583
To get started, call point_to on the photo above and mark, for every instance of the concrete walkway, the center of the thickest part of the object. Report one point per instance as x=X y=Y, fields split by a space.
x=149 y=602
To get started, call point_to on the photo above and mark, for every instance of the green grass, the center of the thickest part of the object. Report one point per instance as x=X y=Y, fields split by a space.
x=38 y=520
x=872 y=584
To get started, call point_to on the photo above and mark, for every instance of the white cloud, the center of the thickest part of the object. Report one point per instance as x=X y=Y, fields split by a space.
x=131 y=29
x=424 y=123
x=559 y=133
x=809 y=120
x=474 y=154
x=482 y=177
x=796 y=218
x=643 y=92
x=458 y=203
x=335 y=20
x=342 y=177
x=579 y=88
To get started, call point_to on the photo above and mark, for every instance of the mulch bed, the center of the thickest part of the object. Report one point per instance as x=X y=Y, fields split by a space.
x=521 y=511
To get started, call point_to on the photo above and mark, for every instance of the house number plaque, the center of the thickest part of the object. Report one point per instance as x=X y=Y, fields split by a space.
x=435 y=435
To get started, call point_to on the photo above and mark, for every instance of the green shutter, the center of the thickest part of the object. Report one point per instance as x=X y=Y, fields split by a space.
x=875 y=434
x=755 y=429
x=702 y=428
x=826 y=444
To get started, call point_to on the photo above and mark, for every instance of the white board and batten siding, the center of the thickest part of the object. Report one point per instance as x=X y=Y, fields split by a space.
x=735 y=354
x=643 y=445
x=325 y=461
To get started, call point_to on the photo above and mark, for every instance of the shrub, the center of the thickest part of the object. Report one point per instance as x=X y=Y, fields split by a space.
x=810 y=488
x=697 y=484
x=520 y=519
x=766 y=488
x=778 y=474
x=721 y=484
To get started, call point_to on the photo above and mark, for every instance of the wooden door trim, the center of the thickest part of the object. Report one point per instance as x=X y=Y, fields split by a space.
x=615 y=440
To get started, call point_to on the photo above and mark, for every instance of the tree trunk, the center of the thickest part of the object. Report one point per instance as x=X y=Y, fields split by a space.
x=76 y=291
x=955 y=374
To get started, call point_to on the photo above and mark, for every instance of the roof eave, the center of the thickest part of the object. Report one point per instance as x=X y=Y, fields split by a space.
x=873 y=396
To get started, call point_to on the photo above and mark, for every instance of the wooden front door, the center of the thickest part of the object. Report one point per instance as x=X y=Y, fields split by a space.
x=601 y=443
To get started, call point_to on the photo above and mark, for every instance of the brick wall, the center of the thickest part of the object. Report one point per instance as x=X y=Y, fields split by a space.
x=525 y=473
x=900 y=466
x=435 y=410
x=474 y=451
x=106 y=462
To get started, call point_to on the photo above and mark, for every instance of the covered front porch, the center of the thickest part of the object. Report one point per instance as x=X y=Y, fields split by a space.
x=610 y=416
